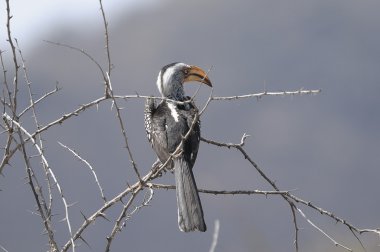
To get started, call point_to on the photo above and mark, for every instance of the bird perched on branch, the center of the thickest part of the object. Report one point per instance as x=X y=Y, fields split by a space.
x=174 y=126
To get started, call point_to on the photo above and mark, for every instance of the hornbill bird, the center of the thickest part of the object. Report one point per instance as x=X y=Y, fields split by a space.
x=166 y=126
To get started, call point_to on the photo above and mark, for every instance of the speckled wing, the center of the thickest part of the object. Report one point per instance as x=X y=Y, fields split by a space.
x=155 y=126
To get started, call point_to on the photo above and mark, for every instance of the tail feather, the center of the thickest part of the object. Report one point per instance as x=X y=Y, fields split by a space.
x=190 y=213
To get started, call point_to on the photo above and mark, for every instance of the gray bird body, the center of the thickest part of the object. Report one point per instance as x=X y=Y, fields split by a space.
x=166 y=125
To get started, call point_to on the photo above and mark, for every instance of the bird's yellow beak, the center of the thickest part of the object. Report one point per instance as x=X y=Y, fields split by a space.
x=197 y=74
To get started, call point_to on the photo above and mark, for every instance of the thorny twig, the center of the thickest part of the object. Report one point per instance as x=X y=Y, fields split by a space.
x=259 y=170
x=97 y=101
x=39 y=137
x=35 y=102
x=37 y=193
x=265 y=93
x=226 y=192
x=290 y=198
x=6 y=88
x=123 y=130
x=117 y=227
x=13 y=100
x=89 y=166
x=82 y=51
x=50 y=172
x=106 y=37
x=323 y=232
x=10 y=121
x=119 y=223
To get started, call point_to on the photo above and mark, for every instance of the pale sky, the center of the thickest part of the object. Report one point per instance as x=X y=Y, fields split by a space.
x=33 y=19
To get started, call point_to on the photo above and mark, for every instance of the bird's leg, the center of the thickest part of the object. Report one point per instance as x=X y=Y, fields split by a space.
x=156 y=166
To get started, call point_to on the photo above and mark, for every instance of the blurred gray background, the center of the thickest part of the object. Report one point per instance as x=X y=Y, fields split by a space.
x=325 y=147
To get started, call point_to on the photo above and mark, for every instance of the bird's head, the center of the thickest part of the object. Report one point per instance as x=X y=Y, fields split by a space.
x=172 y=77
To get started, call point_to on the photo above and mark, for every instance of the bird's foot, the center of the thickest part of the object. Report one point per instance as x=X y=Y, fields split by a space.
x=156 y=169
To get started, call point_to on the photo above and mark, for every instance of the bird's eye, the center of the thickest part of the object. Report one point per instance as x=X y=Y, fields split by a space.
x=186 y=71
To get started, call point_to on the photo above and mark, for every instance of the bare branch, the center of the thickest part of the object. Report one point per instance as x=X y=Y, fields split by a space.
x=106 y=37
x=296 y=229
x=334 y=217
x=260 y=95
x=99 y=100
x=118 y=224
x=207 y=102
x=122 y=127
x=4 y=249
x=6 y=88
x=89 y=166
x=56 y=89
x=47 y=167
x=288 y=197
x=69 y=115
x=236 y=97
x=226 y=192
x=34 y=115
x=200 y=85
x=13 y=101
x=118 y=221
x=7 y=153
x=215 y=236
x=82 y=51
x=323 y=232
x=100 y=212
x=37 y=193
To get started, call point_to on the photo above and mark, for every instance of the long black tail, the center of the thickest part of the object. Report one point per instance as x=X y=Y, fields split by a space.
x=190 y=213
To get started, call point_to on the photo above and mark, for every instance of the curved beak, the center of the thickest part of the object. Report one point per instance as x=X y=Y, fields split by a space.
x=198 y=74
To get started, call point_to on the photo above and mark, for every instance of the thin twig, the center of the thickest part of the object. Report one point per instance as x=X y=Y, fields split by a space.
x=51 y=173
x=89 y=166
x=6 y=88
x=118 y=221
x=82 y=51
x=337 y=244
x=122 y=127
x=146 y=202
x=16 y=66
x=290 y=196
x=207 y=102
x=333 y=216
x=260 y=171
x=39 y=137
x=106 y=37
x=119 y=224
x=69 y=115
x=296 y=228
x=7 y=153
x=100 y=212
x=265 y=93
x=35 y=188
x=215 y=236
x=200 y=85
x=225 y=192
x=4 y=249
x=99 y=100
x=56 y=89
